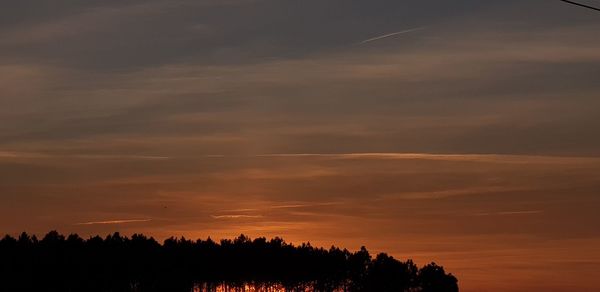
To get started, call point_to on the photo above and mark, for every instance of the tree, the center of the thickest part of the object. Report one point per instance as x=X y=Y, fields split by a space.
x=120 y=264
x=433 y=278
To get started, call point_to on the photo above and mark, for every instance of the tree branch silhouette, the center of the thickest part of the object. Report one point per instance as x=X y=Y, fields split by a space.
x=581 y=5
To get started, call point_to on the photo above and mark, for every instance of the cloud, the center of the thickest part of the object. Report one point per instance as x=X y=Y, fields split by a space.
x=40 y=155
x=5 y=154
x=110 y=222
x=508 y=213
x=292 y=205
x=511 y=85
x=490 y=158
x=236 y=216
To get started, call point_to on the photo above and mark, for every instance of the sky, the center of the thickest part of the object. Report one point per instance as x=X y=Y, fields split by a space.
x=463 y=132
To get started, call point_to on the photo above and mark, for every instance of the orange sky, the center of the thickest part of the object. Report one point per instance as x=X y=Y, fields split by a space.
x=499 y=222
x=463 y=132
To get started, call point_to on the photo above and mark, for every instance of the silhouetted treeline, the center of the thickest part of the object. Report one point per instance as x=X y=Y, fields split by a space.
x=139 y=263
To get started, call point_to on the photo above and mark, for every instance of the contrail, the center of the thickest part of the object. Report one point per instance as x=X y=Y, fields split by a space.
x=391 y=35
x=581 y=5
x=114 y=222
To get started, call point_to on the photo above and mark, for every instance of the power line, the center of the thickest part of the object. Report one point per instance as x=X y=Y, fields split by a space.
x=582 y=5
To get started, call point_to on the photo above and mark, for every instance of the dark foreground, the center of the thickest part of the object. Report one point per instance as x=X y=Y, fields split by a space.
x=117 y=263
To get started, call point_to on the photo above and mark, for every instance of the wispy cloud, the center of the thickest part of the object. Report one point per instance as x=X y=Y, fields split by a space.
x=392 y=34
x=285 y=206
x=508 y=213
x=439 y=194
x=40 y=155
x=11 y=154
x=132 y=157
x=236 y=216
x=114 y=222
x=291 y=206
x=507 y=158
x=6 y=155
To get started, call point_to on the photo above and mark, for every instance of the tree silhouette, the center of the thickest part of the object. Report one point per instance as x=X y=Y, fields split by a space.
x=120 y=264
x=433 y=278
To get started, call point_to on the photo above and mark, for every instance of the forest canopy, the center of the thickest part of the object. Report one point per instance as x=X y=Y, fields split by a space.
x=140 y=263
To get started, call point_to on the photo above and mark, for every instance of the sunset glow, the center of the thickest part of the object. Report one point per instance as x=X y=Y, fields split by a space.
x=464 y=133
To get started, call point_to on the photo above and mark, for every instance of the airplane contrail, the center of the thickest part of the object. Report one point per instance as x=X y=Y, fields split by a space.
x=391 y=35
x=581 y=5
